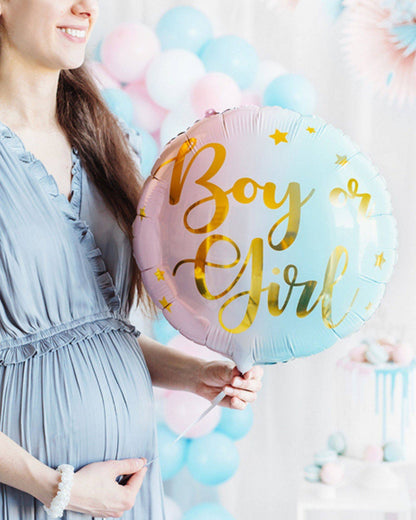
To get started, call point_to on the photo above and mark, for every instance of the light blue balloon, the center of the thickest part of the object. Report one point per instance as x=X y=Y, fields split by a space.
x=150 y=152
x=231 y=55
x=162 y=330
x=172 y=455
x=292 y=91
x=235 y=423
x=184 y=27
x=208 y=511
x=212 y=459
x=120 y=103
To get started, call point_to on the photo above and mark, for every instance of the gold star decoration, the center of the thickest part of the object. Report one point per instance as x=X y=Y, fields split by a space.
x=379 y=260
x=341 y=159
x=142 y=213
x=165 y=304
x=368 y=306
x=279 y=137
x=311 y=130
x=159 y=274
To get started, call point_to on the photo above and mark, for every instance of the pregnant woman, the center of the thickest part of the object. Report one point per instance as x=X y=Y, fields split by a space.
x=76 y=399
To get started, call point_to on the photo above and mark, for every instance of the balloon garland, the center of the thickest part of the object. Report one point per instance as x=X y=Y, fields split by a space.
x=162 y=80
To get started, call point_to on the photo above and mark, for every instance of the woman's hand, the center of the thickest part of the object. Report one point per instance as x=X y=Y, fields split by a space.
x=215 y=376
x=96 y=492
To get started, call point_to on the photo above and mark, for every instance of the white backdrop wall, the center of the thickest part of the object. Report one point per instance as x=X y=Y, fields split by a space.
x=295 y=410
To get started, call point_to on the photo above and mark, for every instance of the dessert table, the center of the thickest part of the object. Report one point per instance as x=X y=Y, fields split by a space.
x=365 y=487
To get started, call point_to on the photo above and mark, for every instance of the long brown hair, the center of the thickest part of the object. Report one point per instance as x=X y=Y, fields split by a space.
x=106 y=156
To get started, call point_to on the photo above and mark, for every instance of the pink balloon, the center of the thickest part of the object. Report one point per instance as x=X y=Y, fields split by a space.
x=147 y=114
x=191 y=348
x=101 y=76
x=251 y=98
x=127 y=51
x=181 y=408
x=215 y=90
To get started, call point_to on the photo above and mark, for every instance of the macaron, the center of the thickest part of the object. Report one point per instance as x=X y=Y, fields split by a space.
x=357 y=353
x=376 y=354
x=373 y=453
x=403 y=354
x=393 y=451
x=311 y=473
x=336 y=442
x=324 y=456
x=332 y=473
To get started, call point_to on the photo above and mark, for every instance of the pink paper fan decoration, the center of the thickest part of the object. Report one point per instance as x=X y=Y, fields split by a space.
x=375 y=53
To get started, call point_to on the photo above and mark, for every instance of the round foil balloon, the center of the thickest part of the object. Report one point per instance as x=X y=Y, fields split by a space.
x=264 y=234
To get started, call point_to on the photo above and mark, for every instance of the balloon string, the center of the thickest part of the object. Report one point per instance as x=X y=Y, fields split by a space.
x=213 y=404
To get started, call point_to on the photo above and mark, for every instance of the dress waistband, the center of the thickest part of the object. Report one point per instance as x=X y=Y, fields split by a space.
x=16 y=350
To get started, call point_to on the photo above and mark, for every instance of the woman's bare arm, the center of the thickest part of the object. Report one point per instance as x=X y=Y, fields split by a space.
x=19 y=469
x=170 y=368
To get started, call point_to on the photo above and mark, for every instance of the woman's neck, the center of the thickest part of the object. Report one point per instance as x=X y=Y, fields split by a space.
x=27 y=93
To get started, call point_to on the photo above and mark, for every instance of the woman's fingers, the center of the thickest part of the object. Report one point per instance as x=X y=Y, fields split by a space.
x=253 y=385
x=136 y=480
x=243 y=395
x=233 y=402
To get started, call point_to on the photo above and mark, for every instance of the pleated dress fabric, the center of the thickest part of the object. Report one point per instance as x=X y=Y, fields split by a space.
x=74 y=384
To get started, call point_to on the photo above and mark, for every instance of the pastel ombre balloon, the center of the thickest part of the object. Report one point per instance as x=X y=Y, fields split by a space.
x=147 y=114
x=191 y=348
x=127 y=51
x=101 y=76
x=181 y=408
x=171 y=75
x=215 y=90
x=264 y=234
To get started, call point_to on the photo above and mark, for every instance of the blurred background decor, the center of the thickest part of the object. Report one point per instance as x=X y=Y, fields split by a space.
x=297 y=411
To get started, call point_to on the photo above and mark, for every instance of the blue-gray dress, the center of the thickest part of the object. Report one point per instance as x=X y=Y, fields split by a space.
x=74 y=384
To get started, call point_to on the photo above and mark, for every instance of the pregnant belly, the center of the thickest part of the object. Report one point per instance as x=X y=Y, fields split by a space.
x=84 y=402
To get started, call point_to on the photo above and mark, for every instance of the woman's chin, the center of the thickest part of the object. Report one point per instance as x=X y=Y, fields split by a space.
x=73 y=63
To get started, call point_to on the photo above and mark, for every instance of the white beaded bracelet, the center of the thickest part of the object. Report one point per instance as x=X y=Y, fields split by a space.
x=61 y=499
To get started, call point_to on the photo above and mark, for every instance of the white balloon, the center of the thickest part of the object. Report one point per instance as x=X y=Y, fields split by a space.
x=172 y=510
x=267 y=71
x=177 y=121
x=171 y=75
